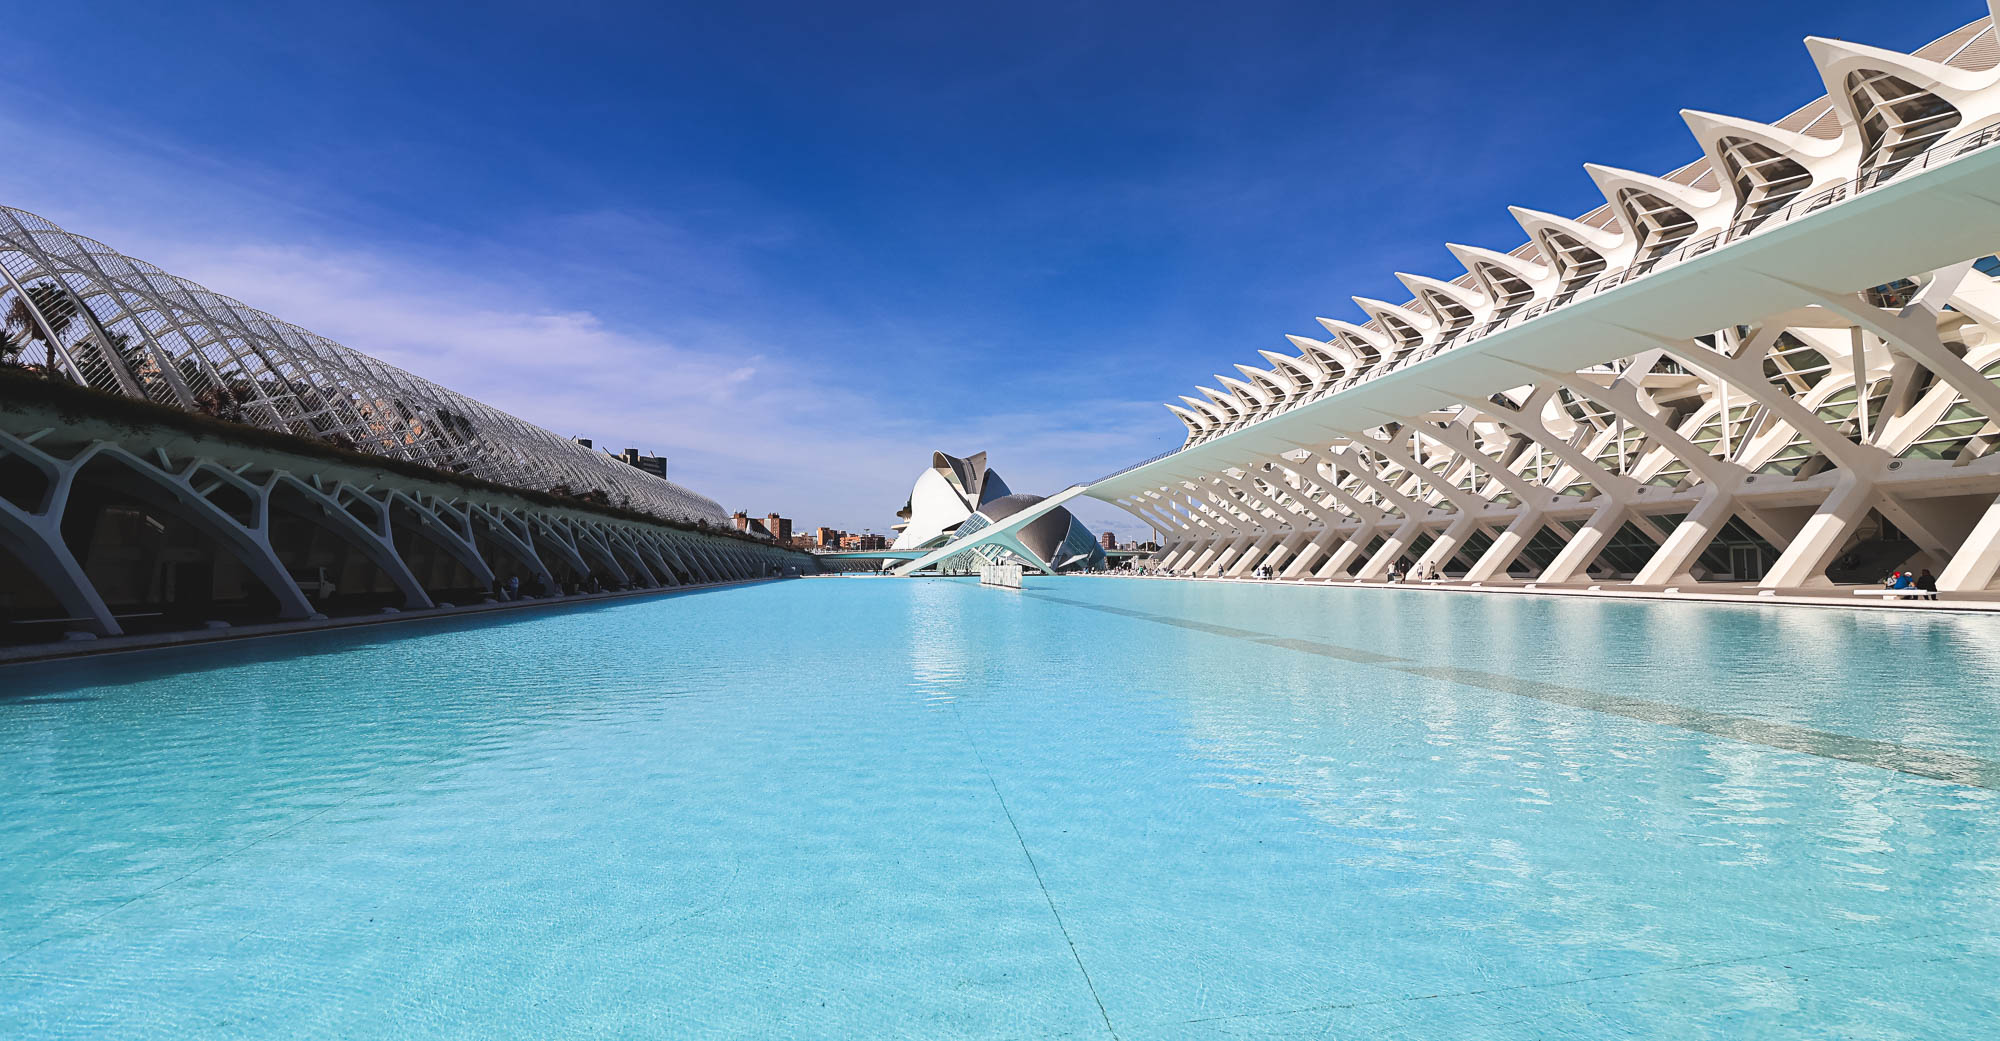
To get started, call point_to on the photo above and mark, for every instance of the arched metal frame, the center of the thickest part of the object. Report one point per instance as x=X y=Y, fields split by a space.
x=82 y=311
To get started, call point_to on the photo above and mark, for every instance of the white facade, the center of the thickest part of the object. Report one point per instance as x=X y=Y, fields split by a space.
x=936 y=509
x=1779 y=364
x=965 y=515
x=945 y=496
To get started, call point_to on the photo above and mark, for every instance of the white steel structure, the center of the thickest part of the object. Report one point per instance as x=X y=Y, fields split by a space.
x=1778 y=364
x=121 y=519
x=76 y=308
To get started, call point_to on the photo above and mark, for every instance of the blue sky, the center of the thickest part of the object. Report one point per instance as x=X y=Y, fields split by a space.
x=796 y=247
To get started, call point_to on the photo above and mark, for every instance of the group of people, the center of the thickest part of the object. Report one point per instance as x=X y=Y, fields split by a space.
x=511 y=589
x=1924 y=583
x=1401 y=572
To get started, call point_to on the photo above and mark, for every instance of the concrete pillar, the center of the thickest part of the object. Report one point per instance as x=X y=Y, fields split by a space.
x=36 y=541
x=1208 y=552
x=378 y=546
x=1670 y=563
x=1584 y=546
x=1283 y=551
x=1977 y=561
x=1194 y=549
x=1343 y=554
x=1445 y=546
x=1378 y=565
x=1250 y=558
x=1804 y=562
x=1312 y=550
x=1229 y=552
x=1506 y=546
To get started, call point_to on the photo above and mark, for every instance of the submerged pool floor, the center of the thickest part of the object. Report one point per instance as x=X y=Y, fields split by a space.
x=860 y=808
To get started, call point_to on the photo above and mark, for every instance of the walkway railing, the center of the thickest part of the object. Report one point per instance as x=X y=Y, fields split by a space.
x=1140 y=463
x=1868 y=180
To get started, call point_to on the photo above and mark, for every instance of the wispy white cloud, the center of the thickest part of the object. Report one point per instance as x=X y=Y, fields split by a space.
x=754 y=422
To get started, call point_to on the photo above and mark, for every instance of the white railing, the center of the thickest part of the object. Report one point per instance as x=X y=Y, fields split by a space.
x=1006 y=576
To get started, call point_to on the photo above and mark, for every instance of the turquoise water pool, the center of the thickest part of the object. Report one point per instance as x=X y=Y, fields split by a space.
x=859 y=808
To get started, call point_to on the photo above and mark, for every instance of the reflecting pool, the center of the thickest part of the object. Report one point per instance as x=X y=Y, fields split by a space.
x=859 y=808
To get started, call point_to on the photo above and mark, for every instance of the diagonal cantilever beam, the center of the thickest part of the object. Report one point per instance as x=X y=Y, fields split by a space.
x=1002 y=532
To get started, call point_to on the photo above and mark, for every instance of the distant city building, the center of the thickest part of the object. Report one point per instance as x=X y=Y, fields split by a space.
x=743 y=522
x=864 y=542
x=1108 y=540
x=772 y=526
x=652 y=464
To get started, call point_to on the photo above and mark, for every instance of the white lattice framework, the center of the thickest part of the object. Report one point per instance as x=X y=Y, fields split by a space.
x=1788 y=348
x=77 y=309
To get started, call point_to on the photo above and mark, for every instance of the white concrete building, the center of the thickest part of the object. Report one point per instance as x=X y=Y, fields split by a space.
x=1778 y=365
x=964 y=504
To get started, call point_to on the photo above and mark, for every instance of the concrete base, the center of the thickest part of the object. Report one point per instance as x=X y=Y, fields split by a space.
x=152 y=641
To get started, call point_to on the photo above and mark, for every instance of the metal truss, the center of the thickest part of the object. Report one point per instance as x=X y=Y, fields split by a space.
x=78 y=310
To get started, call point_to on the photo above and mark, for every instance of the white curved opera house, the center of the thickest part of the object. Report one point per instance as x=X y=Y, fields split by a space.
x=956 y=498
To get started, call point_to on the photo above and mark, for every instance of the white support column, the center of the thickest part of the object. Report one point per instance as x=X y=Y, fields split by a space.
x=1229 y=552
x=1399 y=540
x=1343 y=554
x=1199 y=557
x=1632 y=404
x=1670 y=563
x=1303 y=559
x=36 y=541
x=1586 y=544
x=1413 y=512
x=1506 y=546
x=1804 y=562
x=1284 y=549
x=1249 y=558
x=1445 y=546
x=1977 y=561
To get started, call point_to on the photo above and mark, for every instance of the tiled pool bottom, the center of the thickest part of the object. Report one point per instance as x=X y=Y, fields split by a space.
x=866 y=808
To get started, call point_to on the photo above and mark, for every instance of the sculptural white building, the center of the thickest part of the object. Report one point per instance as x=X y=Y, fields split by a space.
x=1778 y=364
x=944 y=496
x=956 y=498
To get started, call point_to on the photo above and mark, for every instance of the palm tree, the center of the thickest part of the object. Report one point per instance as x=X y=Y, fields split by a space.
x=58 y=307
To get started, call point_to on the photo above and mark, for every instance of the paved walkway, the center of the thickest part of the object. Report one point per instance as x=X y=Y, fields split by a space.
x=1726 y=593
